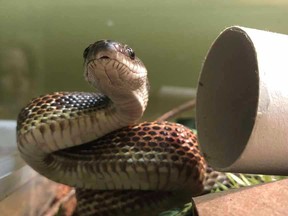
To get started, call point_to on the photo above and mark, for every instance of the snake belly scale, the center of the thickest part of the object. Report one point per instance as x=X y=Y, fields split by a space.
x=92 y=141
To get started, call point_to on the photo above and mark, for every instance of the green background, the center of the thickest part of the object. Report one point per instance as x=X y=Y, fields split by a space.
x=42 y=42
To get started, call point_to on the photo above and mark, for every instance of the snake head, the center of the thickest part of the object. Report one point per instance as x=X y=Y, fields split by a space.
x=112 y=66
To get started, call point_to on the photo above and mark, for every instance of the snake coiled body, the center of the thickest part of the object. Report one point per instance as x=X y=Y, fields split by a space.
x=91 y=141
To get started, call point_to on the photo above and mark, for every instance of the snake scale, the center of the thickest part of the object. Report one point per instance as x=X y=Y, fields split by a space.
x=92 y=141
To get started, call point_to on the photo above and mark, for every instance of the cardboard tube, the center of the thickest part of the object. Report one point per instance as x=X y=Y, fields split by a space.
x=242 y=102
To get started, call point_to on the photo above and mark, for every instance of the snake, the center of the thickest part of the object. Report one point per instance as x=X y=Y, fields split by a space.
x=93 y=141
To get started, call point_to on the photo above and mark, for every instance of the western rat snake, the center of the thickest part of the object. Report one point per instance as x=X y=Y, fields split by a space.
x=91 y=140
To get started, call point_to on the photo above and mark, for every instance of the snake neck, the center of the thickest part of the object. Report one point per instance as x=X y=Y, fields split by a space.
x=129 y=107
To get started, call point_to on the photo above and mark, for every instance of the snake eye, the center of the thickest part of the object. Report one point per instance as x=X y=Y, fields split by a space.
x=86 y=51
x=131 y=53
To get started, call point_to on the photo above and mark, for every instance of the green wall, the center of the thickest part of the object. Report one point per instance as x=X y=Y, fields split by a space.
x=41 y=42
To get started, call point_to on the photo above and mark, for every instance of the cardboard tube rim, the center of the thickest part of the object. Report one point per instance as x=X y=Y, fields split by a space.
x=223 y=141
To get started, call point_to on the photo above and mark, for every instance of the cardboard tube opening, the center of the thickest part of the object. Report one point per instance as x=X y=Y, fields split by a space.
x=227 y=98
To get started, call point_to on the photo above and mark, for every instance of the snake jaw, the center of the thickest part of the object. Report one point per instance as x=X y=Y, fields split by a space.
x=112 y=72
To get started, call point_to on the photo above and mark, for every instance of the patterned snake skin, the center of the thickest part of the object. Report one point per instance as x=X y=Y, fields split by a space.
x=91 y=141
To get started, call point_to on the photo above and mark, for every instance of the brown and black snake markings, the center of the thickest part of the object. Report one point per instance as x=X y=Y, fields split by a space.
x=92 y=141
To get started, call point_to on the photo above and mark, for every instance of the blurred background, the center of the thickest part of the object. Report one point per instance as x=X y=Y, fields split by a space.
x=42 y=42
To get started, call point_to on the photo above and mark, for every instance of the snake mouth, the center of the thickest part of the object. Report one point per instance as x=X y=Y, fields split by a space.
x=104 y=57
